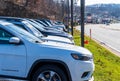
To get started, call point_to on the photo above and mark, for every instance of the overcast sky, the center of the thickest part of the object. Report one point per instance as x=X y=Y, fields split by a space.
x=90 y=2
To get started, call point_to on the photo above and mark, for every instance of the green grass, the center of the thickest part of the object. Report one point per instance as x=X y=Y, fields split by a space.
x=107 y=65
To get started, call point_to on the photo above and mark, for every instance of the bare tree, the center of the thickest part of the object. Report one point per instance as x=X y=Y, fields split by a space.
x=42 y=8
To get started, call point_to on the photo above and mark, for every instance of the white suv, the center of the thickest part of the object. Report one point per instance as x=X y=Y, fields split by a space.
x=23 y=56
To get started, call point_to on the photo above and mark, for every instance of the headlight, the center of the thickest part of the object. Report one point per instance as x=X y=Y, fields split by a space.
x=81 y=57
x=70 y=37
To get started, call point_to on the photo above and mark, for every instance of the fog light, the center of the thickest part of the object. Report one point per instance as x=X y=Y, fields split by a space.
x=85 y=74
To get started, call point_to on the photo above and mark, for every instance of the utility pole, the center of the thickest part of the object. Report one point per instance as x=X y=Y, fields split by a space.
x=62 y=10
x=82 y=21
x=68 y=12
x=74 y=10
x=72 y=17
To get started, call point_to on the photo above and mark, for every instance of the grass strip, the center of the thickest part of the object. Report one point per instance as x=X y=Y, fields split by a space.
x=107 y=65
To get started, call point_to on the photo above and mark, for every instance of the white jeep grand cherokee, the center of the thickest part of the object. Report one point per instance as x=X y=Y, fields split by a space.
x=23 y=56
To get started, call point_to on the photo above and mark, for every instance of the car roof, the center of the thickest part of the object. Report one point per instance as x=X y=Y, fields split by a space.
x=3 y=23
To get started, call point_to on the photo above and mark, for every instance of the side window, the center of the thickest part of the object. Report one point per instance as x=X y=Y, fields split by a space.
x=4 y=36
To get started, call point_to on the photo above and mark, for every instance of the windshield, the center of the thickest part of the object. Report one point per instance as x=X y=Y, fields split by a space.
x=59 y=23
x=42 y=23
x=48 y=23
x=34 y=30
x=36 y=26
x=21 y=32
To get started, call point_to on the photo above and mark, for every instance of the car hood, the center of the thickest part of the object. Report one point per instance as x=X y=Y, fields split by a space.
x=57 y=33
x=68 y=47
x=62 y=26
x=52 y=29
x=58 y=39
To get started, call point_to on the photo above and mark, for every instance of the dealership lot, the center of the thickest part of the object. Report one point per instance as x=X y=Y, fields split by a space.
x=47 y=59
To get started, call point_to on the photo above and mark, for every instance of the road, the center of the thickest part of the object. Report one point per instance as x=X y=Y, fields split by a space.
x=106 y=34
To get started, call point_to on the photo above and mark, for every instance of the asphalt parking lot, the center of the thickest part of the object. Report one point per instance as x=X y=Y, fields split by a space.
x=6 y=79
x=3 y=79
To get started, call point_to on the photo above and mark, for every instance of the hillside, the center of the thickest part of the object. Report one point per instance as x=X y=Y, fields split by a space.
x=101 y=9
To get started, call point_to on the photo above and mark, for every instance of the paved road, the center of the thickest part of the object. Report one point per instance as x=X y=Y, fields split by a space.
x=106 y=34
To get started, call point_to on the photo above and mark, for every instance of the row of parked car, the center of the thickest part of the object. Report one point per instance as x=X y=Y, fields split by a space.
x=40 y=50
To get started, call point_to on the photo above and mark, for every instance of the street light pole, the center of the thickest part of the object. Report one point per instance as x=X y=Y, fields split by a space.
x=82 y=21
x=72 y=17
x=68 y=12
x=62 y=10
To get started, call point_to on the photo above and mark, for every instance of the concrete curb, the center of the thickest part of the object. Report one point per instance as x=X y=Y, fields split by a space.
x=107 y=46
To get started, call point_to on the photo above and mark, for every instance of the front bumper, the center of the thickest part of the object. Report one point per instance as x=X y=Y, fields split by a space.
x=81 y=70
x=92 y=79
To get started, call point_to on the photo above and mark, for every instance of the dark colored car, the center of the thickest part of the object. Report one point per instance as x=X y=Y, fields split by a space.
x=51 y=31
x=44 y=26
x=48 y=23
x=40 y=28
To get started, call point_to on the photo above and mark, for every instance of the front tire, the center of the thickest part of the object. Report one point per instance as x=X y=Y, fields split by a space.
x=49 y=73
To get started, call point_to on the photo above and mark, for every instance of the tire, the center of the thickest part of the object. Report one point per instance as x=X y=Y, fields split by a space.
x=49 y=73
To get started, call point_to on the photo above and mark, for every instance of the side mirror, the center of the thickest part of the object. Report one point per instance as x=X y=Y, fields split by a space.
x=14 y=40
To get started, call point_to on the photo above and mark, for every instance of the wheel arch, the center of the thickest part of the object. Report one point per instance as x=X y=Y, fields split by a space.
x=42 y=62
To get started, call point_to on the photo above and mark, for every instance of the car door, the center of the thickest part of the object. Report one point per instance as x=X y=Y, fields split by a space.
x=12 y=56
